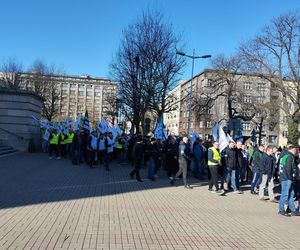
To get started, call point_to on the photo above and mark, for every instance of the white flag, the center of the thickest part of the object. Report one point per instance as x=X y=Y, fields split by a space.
x=223 y=141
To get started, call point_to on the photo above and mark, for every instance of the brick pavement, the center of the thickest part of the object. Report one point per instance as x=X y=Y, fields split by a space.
x=51 y=204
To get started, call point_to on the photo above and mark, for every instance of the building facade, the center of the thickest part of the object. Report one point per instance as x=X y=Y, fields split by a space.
x=254 y=92
x=80 y=93
x=171 y=119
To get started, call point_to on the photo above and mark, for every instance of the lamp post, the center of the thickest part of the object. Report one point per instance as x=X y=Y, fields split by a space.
x=193 y=57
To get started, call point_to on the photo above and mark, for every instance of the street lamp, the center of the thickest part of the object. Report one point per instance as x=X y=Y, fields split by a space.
x=193 y=57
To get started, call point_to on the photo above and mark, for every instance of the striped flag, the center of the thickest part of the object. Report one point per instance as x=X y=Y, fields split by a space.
x=86 y=122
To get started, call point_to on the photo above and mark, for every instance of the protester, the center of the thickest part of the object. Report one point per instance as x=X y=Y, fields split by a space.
x=92 y=149
x=183 y=158
x=276 y=156
x=287 y=175
x=101 y=148
x=214 y=161
x=152 y=154
x=138 y=159
x=172 y=158
x=197 y=158
x=245 y=165
x=267 y=168
x=54 y=142
x=76 y=147
x=256 y=157
x=109 y=149
x=232 y=159
x=69 y=142
x=297 y=186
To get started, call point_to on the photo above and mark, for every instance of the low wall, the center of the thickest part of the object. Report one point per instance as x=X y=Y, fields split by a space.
x=17 y=127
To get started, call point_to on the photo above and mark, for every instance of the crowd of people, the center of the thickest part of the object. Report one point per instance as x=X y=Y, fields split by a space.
x=227 y=170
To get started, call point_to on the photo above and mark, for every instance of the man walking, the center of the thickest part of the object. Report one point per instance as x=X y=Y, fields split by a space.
x=172 y=158
x=266 y=168
x=138 y=158
x=287 y=174
x=256 y=157
x=184 y=156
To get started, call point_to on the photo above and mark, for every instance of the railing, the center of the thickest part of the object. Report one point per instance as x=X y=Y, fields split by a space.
x=12 y=133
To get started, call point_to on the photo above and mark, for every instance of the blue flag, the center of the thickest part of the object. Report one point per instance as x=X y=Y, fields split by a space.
x=215 y=131
x=159 y=132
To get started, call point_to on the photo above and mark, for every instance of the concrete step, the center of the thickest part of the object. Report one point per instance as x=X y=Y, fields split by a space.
x=6 y=150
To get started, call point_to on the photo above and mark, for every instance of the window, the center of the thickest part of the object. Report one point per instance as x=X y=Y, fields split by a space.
x=246 y=126
x=89 y=93
x=97 y=93
x=260 y=99
x=72 y=92
x=258 y=114
x=81 y=93
x=285 y=119
x=247 y=99
x=209 y=82
x=257 y=127
x=201 y=124
x=261 y=87
x=208 y=124
x=247 y=85
x=285 y=133
x=290 y=105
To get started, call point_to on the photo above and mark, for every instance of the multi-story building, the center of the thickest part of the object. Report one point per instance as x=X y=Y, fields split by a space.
x=80 y=93
x=253 y=91
x=171 y=119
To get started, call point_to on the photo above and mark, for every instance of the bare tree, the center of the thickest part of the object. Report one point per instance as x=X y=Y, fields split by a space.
x=43 y=81
x=275 y=54
x=10 y=77
x=225 y=86
x=146 y=66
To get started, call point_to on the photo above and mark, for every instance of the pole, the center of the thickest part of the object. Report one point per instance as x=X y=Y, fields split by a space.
x=191 y=95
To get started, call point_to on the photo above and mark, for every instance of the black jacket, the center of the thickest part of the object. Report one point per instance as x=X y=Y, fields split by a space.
x=172 y=150
x=151 y=151
x=266 y=165
x=231 y=157
x=138 y=153
x=287 y=167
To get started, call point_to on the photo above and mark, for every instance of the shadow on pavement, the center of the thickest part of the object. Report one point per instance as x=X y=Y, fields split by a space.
x=27 y=179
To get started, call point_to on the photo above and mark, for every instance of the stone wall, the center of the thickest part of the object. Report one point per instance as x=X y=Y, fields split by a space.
x=17 y=127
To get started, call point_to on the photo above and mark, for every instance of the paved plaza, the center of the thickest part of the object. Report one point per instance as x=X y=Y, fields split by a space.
x=51 y=204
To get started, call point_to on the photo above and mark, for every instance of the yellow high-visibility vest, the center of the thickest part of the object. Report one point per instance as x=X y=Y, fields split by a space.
x=54 y=139
x=70 y=138
x=216 y=157
x=62 y=139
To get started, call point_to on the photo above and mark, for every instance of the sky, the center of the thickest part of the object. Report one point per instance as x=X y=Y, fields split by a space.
x=82 y=36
